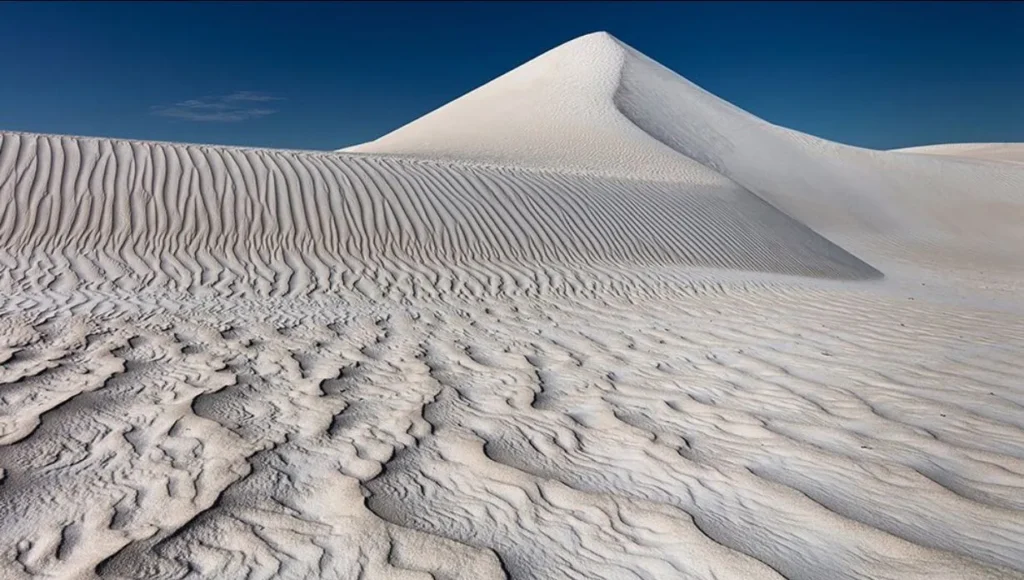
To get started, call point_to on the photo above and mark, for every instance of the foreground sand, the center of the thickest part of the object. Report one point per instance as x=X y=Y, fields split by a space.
x=636 y=333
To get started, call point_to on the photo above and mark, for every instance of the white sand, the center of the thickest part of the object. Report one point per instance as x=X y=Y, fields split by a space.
x=587 y=321
x=1012 y=152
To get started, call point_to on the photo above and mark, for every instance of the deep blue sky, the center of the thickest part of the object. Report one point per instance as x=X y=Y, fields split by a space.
x=872 y=74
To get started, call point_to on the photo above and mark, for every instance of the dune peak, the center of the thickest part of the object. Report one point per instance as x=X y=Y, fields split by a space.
x=554 y=111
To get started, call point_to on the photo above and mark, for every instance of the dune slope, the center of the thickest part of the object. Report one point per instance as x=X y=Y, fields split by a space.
x=93 y=213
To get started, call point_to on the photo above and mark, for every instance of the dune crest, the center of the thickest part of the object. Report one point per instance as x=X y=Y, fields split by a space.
x=557 y=111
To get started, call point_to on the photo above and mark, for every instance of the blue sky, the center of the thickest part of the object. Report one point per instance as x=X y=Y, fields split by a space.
x=326 y=75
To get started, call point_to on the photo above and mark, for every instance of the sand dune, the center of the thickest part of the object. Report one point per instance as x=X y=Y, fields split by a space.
x=988 y=151
x=624 y=114
x=93 y=213
x=587 y=321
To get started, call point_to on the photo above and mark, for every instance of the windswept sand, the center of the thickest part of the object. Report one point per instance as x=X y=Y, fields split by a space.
x=1013 y=152
x=587 y=321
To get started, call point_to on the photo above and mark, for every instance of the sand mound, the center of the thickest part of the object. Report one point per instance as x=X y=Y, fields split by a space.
x=557 y=111
x=598 y=105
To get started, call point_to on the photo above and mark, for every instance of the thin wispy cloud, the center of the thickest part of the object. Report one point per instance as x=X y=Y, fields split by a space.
x=237 y=106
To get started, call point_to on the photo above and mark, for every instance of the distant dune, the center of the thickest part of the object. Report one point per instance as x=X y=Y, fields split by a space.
x=586 y=321
x=989 y=151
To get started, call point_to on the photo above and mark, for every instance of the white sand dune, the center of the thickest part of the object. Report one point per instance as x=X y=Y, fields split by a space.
x=988 y=151
x=587 y=321
x=624 y=114
x=88 y=213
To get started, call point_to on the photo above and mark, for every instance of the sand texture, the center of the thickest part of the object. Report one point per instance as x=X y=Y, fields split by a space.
x=1013 y=152
x=586 y=321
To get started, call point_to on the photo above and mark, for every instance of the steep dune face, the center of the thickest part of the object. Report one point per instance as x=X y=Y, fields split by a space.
x=889 y=206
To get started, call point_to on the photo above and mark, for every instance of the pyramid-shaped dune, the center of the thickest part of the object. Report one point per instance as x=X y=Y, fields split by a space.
x=598 y=106
x=586 y=321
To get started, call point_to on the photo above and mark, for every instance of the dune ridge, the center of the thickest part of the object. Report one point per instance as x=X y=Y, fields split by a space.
x=93 y=211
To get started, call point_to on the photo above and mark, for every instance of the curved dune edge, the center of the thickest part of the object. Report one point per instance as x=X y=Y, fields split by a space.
x=91 y=213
